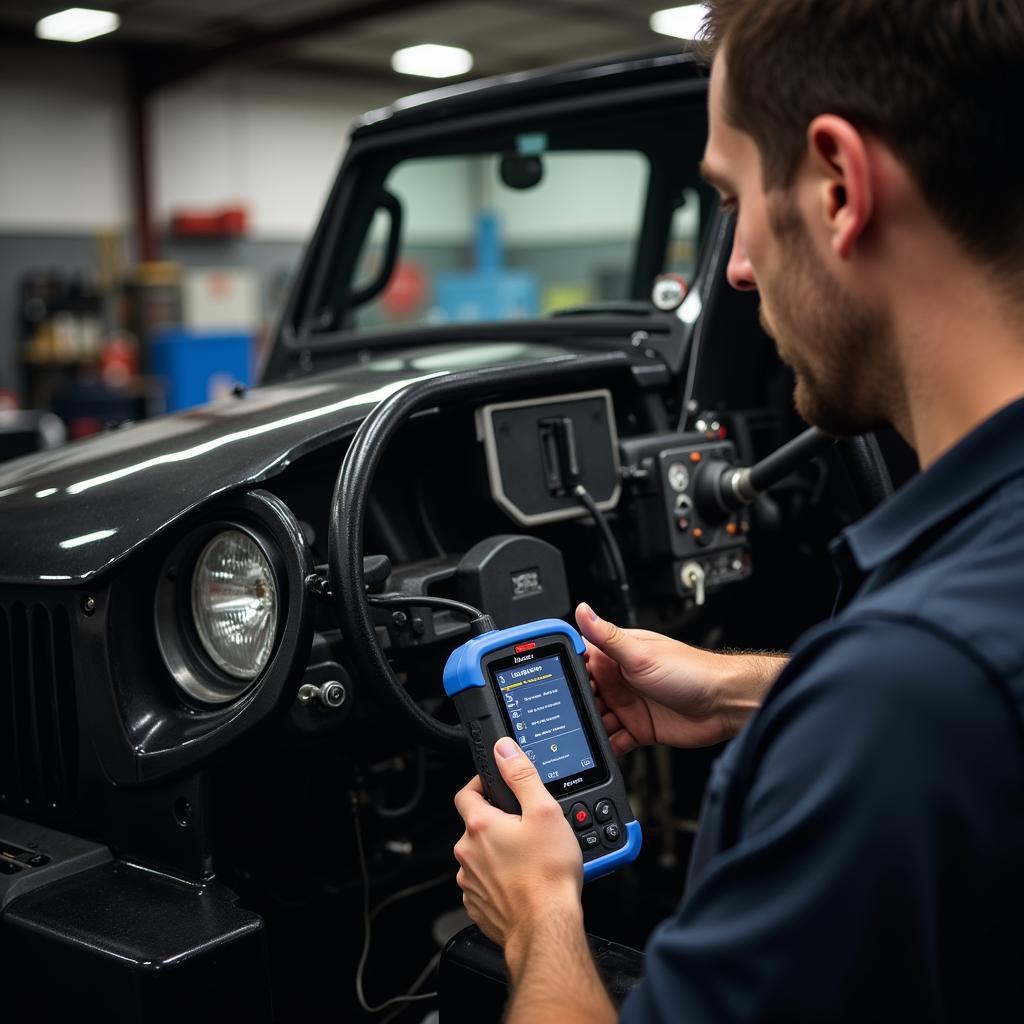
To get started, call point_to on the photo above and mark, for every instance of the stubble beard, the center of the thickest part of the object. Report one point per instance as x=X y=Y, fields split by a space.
x=837 y=346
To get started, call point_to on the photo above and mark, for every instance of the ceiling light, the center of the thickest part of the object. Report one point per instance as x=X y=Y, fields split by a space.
x=77 y=24
x=432 y=61
x=681 y=22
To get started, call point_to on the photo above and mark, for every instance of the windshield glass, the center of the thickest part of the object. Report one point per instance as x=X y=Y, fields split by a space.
x=540 y=220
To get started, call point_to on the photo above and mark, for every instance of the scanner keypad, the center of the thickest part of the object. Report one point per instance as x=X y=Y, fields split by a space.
x=583 y=815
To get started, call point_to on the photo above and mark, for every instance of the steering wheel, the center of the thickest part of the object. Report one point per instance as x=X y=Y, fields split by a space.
x=861 y=456
x=348 y=513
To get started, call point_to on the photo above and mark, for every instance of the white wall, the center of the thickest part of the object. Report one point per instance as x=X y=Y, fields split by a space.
x=63 y=144
x=271 y=142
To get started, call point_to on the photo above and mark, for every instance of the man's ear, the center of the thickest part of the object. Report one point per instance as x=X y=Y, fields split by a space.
x=841 y=167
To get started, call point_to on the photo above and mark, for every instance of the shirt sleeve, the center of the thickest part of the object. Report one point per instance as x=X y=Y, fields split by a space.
x=878 y=779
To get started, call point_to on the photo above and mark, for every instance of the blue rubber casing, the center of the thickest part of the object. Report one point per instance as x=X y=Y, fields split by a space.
x=466 y=683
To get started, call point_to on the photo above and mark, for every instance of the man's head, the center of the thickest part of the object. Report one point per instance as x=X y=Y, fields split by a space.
x=843 y=131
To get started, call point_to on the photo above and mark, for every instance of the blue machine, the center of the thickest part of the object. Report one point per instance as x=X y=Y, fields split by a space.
x=490 y=292
x=530 y=682
x=200 y=365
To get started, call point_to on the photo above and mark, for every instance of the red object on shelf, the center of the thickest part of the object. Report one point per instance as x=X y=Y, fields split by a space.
x=230 y=222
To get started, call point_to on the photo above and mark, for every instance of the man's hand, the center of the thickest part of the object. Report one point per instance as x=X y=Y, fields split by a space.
x=521 y=877
x=516 y=868
x=652 y=689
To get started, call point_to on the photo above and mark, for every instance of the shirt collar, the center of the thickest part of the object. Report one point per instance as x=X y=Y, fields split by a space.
x=985 y=458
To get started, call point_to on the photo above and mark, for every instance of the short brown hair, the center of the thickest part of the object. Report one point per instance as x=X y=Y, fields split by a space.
x=940 y=81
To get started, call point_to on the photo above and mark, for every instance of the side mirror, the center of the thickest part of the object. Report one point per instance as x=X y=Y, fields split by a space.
x=389 y=204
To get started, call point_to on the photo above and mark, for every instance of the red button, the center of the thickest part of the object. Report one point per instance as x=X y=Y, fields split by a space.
x=580 y=815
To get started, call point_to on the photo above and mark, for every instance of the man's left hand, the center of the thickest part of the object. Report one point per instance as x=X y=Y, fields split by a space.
x=516 y=869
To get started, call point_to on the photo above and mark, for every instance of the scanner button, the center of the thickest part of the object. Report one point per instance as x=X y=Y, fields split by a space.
x=589 y=840
x=612 y=832
x=604 y=810
x=580 y=817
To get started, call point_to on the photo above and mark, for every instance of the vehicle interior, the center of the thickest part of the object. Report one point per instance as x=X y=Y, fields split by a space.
x=310 y=806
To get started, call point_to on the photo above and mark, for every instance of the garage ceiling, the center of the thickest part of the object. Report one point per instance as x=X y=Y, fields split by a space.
x=353 y=37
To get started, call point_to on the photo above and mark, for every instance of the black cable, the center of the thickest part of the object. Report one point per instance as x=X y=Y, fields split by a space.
x=478 y=620
x=415 y=600
x=613 y=549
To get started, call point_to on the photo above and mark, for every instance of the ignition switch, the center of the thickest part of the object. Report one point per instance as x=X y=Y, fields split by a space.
x=692 y=577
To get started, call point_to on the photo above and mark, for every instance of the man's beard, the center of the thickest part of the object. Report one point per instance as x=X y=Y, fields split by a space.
x=837 y=346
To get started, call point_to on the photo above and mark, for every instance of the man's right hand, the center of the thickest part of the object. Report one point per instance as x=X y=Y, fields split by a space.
x=652 y=689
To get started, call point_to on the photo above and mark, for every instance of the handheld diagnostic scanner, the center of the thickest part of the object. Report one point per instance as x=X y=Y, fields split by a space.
x=530 y=682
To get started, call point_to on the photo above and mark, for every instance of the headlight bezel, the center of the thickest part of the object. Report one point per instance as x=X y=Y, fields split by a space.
x=200 y=681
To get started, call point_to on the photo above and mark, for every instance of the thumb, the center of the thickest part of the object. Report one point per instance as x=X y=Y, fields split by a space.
x=518 y=771
x=609 y=638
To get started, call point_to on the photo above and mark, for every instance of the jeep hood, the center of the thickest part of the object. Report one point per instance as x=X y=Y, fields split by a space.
x=69 y=514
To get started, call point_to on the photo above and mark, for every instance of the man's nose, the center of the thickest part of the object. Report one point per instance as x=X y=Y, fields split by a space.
x=740 y=273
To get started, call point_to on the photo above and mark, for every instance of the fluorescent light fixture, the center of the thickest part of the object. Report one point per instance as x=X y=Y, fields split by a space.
x=432 y=61
x=77 y=24
x=681 y=22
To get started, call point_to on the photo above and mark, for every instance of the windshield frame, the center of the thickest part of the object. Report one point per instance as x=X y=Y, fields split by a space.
x=296 y=338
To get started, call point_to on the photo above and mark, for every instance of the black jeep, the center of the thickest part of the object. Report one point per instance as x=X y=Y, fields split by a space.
x=510 y=373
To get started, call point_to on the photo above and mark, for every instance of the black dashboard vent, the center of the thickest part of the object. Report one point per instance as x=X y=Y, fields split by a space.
x=38 y=718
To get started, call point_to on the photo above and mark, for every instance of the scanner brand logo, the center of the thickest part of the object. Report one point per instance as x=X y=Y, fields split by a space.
x=522 y=657
x=569 y=783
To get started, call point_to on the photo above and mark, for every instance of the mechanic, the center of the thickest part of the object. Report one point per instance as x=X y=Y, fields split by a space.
x=862 y=838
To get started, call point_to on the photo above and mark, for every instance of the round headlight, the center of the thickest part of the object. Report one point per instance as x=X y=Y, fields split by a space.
x=235 y=604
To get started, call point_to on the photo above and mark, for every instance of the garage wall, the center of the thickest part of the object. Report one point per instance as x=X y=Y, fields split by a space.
x=271 y=141
x=63 y=145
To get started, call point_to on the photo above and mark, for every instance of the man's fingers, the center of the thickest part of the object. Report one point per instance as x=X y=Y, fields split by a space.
x=470 y=800
x=615 y=654
x=622 y=742
x=605 y=636
x=520 y=774
x=611 y=723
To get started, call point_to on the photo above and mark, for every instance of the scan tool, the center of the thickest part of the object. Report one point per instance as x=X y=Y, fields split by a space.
x=530 y=682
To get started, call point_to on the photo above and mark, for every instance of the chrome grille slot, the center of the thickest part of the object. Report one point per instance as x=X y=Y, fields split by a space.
x=38 y=719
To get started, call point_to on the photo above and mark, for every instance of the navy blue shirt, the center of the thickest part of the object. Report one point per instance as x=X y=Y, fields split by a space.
x=861 y=852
